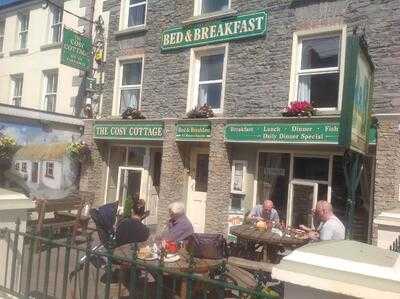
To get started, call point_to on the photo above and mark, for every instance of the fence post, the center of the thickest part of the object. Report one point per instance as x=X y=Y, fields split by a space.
x=14 y=255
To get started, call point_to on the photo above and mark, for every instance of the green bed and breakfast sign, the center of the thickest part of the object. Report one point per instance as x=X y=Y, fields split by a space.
x=303 y=133
x=128 y=130
x=252 y=24
x=76 y=50
x=193 y=131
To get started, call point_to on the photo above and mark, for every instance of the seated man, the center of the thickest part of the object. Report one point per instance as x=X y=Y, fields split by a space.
x=179 y=227
x=130 y=230
x=330 y=228
x=264 y=212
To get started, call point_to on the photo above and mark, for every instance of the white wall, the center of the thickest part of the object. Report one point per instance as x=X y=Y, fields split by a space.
x=55 y=182
x=36 y=60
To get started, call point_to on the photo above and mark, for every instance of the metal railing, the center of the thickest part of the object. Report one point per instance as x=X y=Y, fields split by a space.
x=38 y=267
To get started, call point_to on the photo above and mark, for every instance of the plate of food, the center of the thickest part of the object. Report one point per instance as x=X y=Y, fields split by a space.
x=146 y=254
x=170 y=258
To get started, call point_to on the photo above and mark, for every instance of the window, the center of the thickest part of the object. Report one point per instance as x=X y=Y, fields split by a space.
x=131 y=85
x=208 y=74
x=50 y=169
x=135 y=13
x=23 y=166
x=50 y=91
x=16 y=166
x=318 y=70
x=23 y=30
x=16 y=86
x=239 y=169
x=209 y=6
x=2 y=29
x=56 y=16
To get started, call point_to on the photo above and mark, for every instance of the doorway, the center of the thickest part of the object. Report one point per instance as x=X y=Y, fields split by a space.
x=129 y=184
x=197 y=188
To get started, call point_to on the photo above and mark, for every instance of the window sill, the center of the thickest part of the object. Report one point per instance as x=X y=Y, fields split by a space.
x=19 y=52
x=50 y=46
x=132 y=30
x=210 y=16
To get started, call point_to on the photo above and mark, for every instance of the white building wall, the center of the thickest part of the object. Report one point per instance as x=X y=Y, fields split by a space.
x=55 y=182
x=37 y=60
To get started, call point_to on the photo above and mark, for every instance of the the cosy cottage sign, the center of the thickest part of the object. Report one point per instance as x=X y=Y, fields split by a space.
x=238 y=27
x=129 y=130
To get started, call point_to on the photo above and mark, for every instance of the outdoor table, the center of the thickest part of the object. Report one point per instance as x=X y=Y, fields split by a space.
x=270 y=241
x=201 y=266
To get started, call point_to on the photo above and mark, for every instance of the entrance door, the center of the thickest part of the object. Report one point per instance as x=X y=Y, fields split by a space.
x=34 y=173
x=197 y=189
x=303 y=198
x=129 y=184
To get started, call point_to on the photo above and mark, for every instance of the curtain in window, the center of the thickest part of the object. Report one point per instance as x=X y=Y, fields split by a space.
x=214 y=5
x=136 y=15
x=129 y=98
x=304 y=93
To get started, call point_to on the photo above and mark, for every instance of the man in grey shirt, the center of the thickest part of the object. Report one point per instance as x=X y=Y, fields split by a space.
x=330 y=228
x=264 y=212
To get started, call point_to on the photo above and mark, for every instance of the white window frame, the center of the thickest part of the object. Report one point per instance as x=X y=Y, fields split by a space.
x=14 y=96
x=199 y=3
x=47 y=167
x=194 y=75
x=125 y=6
x=339 y=30
x=46 y=75
x=24 y=167
x=53 y=10
x=17 y=166
x=22 y=32
x=118 y=81
x=244 y=174
x=2 y=35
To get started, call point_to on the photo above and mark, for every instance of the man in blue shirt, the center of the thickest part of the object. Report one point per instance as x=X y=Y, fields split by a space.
x=264 y=212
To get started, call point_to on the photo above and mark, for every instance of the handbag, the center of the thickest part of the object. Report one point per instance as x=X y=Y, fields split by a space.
x=207 y=246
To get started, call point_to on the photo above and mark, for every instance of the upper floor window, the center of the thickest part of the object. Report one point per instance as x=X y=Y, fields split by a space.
x=49 y=170
x=23 y=20
x=56 y=16
x=134 y=13
x=2 y=29
x=208 y=77
x=50 y=90
x=130 y=84
x=318 y=70
x=210 y=6
x=17 y=82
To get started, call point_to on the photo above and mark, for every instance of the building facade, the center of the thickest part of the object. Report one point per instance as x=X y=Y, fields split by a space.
x=247 y=60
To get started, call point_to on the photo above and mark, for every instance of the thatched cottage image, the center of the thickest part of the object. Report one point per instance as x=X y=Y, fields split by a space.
x=46 y=169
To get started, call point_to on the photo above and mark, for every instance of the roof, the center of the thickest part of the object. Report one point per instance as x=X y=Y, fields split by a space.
x=43 y=152
x=345 y=267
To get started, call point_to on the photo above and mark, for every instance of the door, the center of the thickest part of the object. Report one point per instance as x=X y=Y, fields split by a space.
x=35 y=169
x=154 y=185
x=302 y=199
x=197 y=189
x=129 y=184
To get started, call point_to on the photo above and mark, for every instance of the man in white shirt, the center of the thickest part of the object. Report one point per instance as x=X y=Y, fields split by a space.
x=330 y=228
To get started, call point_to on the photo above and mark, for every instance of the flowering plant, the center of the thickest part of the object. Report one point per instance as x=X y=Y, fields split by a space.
x=8 y=146
x=79 y=151
x=204 y=111
x=132 y=113
x=299 y=108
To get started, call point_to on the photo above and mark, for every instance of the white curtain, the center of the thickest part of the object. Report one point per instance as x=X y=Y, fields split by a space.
x=304 y=93
x=129 y=98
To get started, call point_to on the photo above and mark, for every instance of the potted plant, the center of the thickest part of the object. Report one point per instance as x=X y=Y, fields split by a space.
x=79 y=151
x=204 y=111
x=8 y=147
x=132 y=113
x=299 y=108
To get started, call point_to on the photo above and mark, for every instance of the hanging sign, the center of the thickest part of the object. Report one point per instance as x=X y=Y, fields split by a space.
x=305 y=133
x=243 y=26
x=128 y=130
x=76 y=50
x=90 y=84
x=193 y=131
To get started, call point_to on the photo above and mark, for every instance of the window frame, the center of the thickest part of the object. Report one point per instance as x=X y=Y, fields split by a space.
x=17 y=166
x=118 y=82
x=53 y=25
x=244 y=174
x=125 y=14
x=47 y=169
x=199 y=3
x=2 y=35
x=24 y=167
x=46 y=75
x=194 y=75
x=298 y=37
x=23 y=32
x=14 y=79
